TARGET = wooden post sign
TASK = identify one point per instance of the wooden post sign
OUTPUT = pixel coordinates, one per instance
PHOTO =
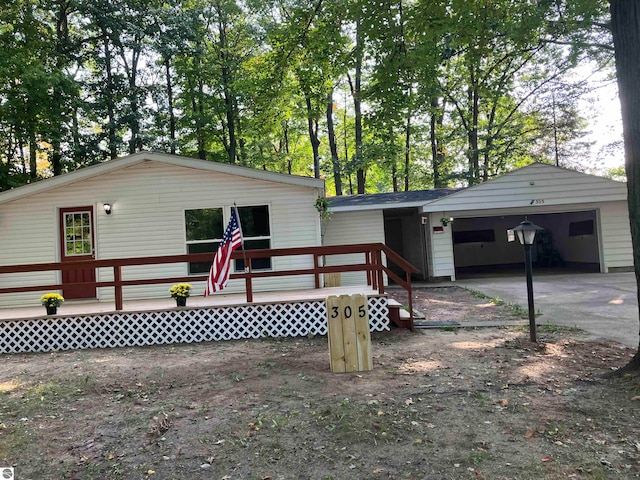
(348, 333)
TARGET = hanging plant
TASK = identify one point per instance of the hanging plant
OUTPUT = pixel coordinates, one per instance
(324, 209)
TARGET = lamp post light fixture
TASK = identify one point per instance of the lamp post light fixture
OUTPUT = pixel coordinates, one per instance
(526, 233)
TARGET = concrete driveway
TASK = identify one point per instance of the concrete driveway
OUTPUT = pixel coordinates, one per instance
(605, 305)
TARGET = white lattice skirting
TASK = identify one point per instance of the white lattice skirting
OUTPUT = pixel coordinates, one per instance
(187, 325)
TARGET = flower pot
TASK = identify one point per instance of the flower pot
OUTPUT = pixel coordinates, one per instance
(181, 301)
(51, 310)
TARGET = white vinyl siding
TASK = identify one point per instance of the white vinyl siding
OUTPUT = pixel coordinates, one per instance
(353, 227)
(615, 234)
(148, 201)
(532, 188)
(441, 245)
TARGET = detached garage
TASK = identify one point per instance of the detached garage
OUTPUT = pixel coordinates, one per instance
(449, 232)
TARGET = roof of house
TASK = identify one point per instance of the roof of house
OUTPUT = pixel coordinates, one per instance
(129, 160)
(375, 201)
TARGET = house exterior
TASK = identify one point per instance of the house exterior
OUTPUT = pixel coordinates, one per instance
(447, 232)
(159, 205)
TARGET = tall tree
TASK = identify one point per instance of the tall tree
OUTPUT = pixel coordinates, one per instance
(625, 25)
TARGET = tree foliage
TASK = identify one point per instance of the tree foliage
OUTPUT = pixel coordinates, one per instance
(375, 96)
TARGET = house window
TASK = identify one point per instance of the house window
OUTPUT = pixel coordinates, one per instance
(577, 229)
(474, 236)
(204, 228)
(256, 232)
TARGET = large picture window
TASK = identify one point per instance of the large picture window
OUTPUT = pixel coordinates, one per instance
(256, 231)
(205, 228)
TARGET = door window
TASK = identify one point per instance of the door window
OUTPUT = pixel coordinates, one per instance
(78, 237)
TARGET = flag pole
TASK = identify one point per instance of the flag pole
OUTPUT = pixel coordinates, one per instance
(244, 253)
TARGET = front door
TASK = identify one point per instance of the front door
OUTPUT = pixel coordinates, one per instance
(77, 243)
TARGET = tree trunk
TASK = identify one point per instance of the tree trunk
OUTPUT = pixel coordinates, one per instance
(335, 161)
(231, 125)
(357, 104)
(242, 155)
(437, 150)
(172, 116)
(407, 151)
(202, 152)
(229, 102)
(472, 134)
(625, 23)
(56, 156)
(75, 134)
(313, 136)
(33, 160)
(62, 40)
(346, 144)
(135, 143)
(109, 98)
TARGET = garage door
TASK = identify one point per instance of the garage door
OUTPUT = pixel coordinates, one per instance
(569, 242)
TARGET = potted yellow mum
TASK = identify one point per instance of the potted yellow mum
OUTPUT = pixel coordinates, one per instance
(180, 292)
(51, 302)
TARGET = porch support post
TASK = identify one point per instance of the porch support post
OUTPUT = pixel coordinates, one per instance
(410, 294)
(380, 273)
(249, 290)
(117, 278)
(316, 274)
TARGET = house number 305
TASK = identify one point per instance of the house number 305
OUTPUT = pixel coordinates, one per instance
(348, 312)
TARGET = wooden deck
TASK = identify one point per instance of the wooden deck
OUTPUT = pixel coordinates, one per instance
(89, 307)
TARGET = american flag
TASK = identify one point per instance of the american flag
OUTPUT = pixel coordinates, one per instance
(221, 266)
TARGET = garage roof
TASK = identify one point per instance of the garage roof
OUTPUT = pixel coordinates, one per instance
(377, 201)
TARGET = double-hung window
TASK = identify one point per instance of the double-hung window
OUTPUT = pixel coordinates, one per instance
(205, 228)
(256, 231)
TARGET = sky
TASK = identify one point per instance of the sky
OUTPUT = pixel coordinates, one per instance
(602, 110)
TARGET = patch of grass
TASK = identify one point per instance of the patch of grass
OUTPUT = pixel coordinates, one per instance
(449, 328)
(13, 443)
(551, 328)
(517, 310)
(481, 398)
(352, 421)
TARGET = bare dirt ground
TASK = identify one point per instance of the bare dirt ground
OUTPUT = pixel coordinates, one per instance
(439, 404)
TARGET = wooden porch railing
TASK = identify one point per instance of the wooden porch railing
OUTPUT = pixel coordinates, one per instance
(372, 265)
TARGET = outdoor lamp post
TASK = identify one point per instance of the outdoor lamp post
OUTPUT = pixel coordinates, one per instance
(526, 233)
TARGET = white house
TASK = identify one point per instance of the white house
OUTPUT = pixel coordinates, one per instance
(158, 205)
(445, 232)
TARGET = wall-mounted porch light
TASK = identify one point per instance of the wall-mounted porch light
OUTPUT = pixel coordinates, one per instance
(107, 208)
